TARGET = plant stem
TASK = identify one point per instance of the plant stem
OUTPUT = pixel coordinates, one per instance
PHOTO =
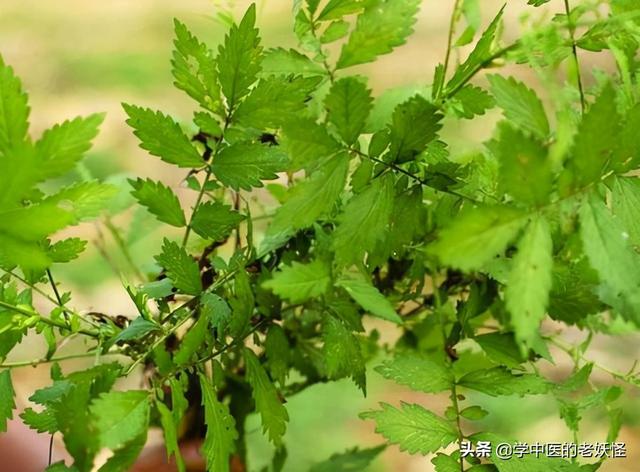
(115, 234)
(57, 294)
(48, 321)
(452, 27)
(13, 365)
(574, 51)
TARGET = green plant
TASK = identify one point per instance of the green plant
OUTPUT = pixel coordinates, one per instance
(464, 255)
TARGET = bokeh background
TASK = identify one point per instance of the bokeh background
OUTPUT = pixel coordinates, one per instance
(81, 56)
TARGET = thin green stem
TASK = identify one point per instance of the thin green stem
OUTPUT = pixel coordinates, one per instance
(84, 355)
(452, 28)
(187, 232)
(122, 245)
(574, 52)
(57, 294)
(50, 322)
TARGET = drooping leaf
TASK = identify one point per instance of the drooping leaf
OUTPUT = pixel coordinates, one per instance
(170, 430)
(159, 200)
(520, 105)
(413, 428)
(239, 58)
(273, 413)
(217, 312)
(215, 221)
(245, 165)
(476, 236)
(417, 371)
(180, 267)
(301, 282)
(221, 436)
(370, 298)
(527, 292)
(278, 352)
(162, 137)
(381, 27)
(348, 105)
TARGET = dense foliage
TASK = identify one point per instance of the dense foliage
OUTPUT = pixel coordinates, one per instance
(371, 216)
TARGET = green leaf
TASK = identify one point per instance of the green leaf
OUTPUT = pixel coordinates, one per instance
(217, 312)
(364, 222)
(300, 282)
(625, 202)
(123, 458)
(273, 413)
(415, 123)
(221, 436)
(14, 109)
(384, 25)
(474, 413)
(525, 171)
(66, 250)
(242, 304)
(62, 146)
(606, 244)
(348, 106)
(308, 143)
(7, 403)
(239, 59)
(162, 137)
(159, 200)
(335, 31)
(418, 372)
(521, 105)
(244, 165)
(537, 3)
(215, 221)
(500, 381)
(527, 292)
(278, 352)
(181, 268)
(471, 101)
(194, 68)
(369, 298)
(412, 428)
(353, 460)
(120, 417)
(61, 467)
(170, 429)
(287, 62)
(192, 341)
(477, 59)
(137, 329)
(336, 9)
(290, 93)
(44, 422)
(596, 138)
(501, 348)
(342, 353)
(445, 463)
(476, 236)
(312, 198)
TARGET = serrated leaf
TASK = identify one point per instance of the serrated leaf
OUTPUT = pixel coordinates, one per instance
(348, 105)
(342, 353)
(500, 381)
(520, 105)
(525, 170)
(336, 9)
(278, 352)
(279, 61)
(217, 311)
(596, 138)
(273, 413)
(527, 292)
(159, 200)
(412, 428)
(415, 123)
(480, 54)
(353, 460)
(43, 422)
(381, 27)
(120, 417)
(62, 146)
(476, 236)
(162, 137)
(418, 372)
(501, 348)
(215, 221)
(471, 101)
(66, 250)
(14, 109)
(300, 282)
(606, 244)
(194, 68)
(124, 457)
(363, 224)
(192, 341)
(239, 58)
(221, 436)
(290, 93)
(7, 403)
(335, 31)
(170, 430)
(181, 268)
(369, 298)
(244, 165)
(312, 198)
(137, 329)
(308, 143)
(445, 463)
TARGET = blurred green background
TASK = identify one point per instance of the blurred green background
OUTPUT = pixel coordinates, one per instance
(81, 56)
